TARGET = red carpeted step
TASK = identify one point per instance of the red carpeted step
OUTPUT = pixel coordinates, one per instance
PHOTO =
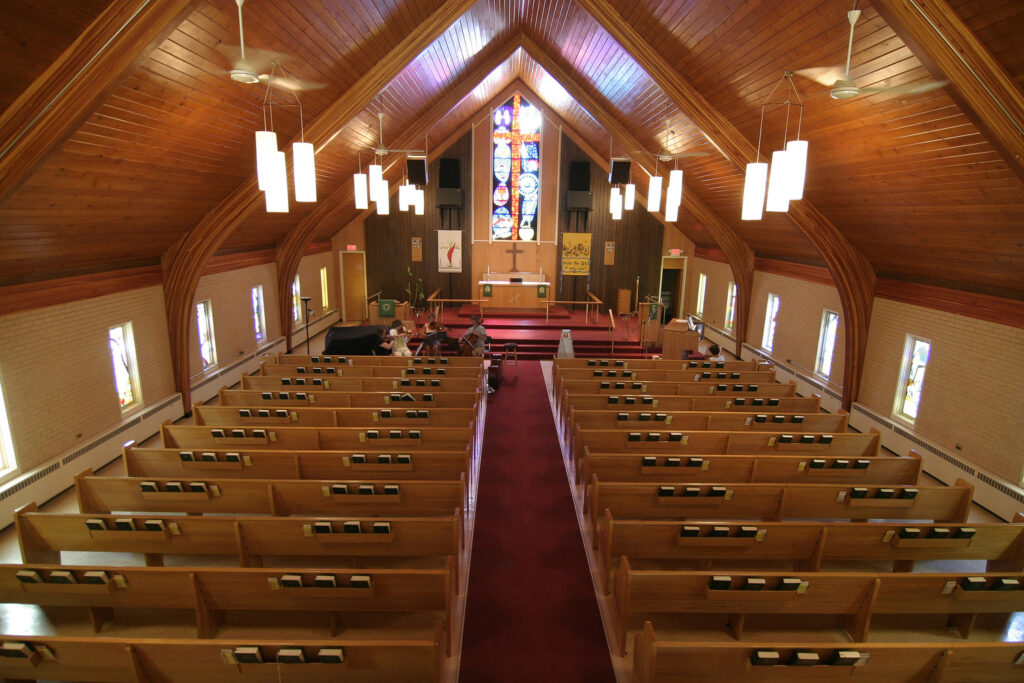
(531, 610)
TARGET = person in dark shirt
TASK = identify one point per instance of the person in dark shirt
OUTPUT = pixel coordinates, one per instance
(385, 345)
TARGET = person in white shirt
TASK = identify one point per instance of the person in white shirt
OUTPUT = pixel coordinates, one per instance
(715, 353)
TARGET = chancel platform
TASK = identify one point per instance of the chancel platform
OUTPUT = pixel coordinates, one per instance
(517, 290)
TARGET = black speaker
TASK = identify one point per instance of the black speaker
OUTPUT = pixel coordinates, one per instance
(449, 198)
(578, 200)
(416, 170)
(619, 175)
(448, 173)
(579, 176)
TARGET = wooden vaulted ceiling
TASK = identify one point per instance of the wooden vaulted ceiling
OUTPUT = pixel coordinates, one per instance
(925, 187)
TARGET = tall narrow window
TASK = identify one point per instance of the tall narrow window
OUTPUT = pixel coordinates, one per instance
(325, 291)
(771, 314)
(259, 320)
(204, 326)
(908, 395)
(702, 284)
(296, 300)
(826, 343)
(126, 371)
(730, 306)
(7, 461)
(515, 176)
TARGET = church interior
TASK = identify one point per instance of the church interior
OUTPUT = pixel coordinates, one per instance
(787, 237)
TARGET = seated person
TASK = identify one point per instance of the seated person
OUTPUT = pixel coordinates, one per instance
(475, 337)
(401, 339)
(385, 344)
(433, 336)
(715, 353)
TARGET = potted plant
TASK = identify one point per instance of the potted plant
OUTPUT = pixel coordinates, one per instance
(414, 289)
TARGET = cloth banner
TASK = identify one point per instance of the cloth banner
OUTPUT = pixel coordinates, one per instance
(385, 308)
(449, 251)
(575, 253)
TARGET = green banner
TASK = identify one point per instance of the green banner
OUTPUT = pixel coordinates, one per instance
(542, 291)
(488, 290)
(386, 308)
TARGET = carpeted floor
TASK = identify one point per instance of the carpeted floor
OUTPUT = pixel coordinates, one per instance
(531, 612)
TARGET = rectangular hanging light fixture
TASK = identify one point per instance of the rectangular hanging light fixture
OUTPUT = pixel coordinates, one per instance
(418, 200)
(674, 195)
(304, 172)
(671, 211)
(361, 191)
(629, 198)
(654, 194)
(753, 191)
(383, 198)
(376, 175)
(266, 146)
(615, 203)
(797, 150)
(779, 182)
(276, 194)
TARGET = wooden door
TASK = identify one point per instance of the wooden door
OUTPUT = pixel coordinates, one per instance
(353, 286)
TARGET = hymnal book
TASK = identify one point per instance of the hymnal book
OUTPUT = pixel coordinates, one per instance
(322, 528)
(797, 419)
(647, 400)
(723, 375)
(645, 417)
(807, 438)
(630, 400)
(759, 402)
(197, 486)
(359, 458)
(325, 581)
(382, 527)
(705, 375)
(720, 583)
(804, 659)
(885, 493)
(217, 433)
(339, 489)
(384, 458)
(283, 395)
(263, 412)
(267, 395)
(648, 461)
(428, 397)
(719, 531)
(908, 493)
(765, 658)
(410, 397)
(318, 371)
(414, 433)
(964, 532)
(739, 401)
(675, 436)
(96, 524)
(753, 387)
(747, 532)
(315, 359)
(352, 527)
(62, 576)
(404, 459)
(717, 491)
(633, 436)
(785, 438)
(844, 658)
(435, 382)
(372, 434)
(778, 418)
(406, 382)
(972, 583)
(858, 492)
(360, 581)
(689, 531)
(760, 418)
(817, 463)
(666, 491)
(591, 363)
(233, 457)
(396, 397)
(28, 576)
(281, 413)
(661, 417)
(95, 576)
(257, 433)
(15, 649)
(909, 532)
(148, 486)
(395, 433)
(753, 583)
(653, 436)
(773, 402)
(124, 524)
(691, 492)
(825, 438)
(672, 462)
(622, 416)
(291, 581)
(788, 583)
(286, 381)
(366, 490)
(390, 489)
(248, 655)
(244, 412)
(301, 370)
(208, 457)
(606, 385)
(1006, 583)
(186, 456)
(613, 400)
(153, 525)
(939, 532)
(859, 463)
(695, 462)
(423, 413)
(840, 463)
(238, 433)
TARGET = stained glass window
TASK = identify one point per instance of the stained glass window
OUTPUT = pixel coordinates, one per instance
(259, 322)
(126, 374)
(516, 171)
(915, 359)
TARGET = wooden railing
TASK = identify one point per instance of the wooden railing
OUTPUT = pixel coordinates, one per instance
(439, 304)
(592, 300)
(611, 330)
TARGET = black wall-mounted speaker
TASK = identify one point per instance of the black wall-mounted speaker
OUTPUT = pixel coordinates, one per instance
(449, 198)
(579, 200)
(448, 173)
(579, 176)
(416, 170)
(619, 174)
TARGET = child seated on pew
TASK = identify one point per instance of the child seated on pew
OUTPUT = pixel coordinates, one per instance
(385, 344)
(714, 353)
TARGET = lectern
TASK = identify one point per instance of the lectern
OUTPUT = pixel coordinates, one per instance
(678, 337)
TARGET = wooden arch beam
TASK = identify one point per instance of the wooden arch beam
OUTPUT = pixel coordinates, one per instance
(61, 97)
(292, 247)
(185, 261)
(737, 252)
(949, 49)
(852, 273)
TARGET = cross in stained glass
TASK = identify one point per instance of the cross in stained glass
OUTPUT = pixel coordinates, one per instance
(516, 180)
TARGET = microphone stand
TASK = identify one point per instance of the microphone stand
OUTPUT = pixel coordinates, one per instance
(305, 304)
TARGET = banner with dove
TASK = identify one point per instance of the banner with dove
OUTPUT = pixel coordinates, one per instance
(449, 251)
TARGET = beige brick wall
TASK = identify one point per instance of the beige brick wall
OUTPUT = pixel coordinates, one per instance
(798, 323)
(719, 276)
(309, 279)
(57, 374)
(971, 402)
(230, 296)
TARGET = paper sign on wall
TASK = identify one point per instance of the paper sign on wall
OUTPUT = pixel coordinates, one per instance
(417, 249)
(449, 251)
(609, 253)
(575, 253)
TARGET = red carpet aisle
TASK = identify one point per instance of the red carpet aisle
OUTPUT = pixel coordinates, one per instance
(531, 613)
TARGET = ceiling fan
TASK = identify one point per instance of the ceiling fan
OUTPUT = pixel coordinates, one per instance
(258, 66)
(842, 86)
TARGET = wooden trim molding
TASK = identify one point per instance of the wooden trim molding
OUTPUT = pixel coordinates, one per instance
(221, 263)
(969, 304)
(799, 271)
(32, 295)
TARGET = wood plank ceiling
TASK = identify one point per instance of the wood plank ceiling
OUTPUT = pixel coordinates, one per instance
(912, 182)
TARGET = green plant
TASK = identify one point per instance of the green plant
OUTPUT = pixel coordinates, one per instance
(414, 288)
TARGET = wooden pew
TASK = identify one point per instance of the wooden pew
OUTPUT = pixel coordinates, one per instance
(775, 502)
(657, 661)
(338, 399)
(165, 659)
(809, 546)
(783, 469)
(358, 384)
(270, 370)
(213, 495)
(43, 536)
(333, 417)
(444, 361)
(855, 597)
(659, 441)
(664, 375)
(167, 463)
(657, 364)
(210, 592)
(315, 438)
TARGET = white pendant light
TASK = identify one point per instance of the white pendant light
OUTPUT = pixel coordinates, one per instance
(361, 191)
(674, 195)
(304, 171)
(376, 173)
(753, 191)
(778, 182)
(404, 201)
(418, 201)
(266, 146)
(654, 194)
(276, 194)
(615, 203)
(383, 198)
(797, 150)
(629, 198)
(671, 211)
